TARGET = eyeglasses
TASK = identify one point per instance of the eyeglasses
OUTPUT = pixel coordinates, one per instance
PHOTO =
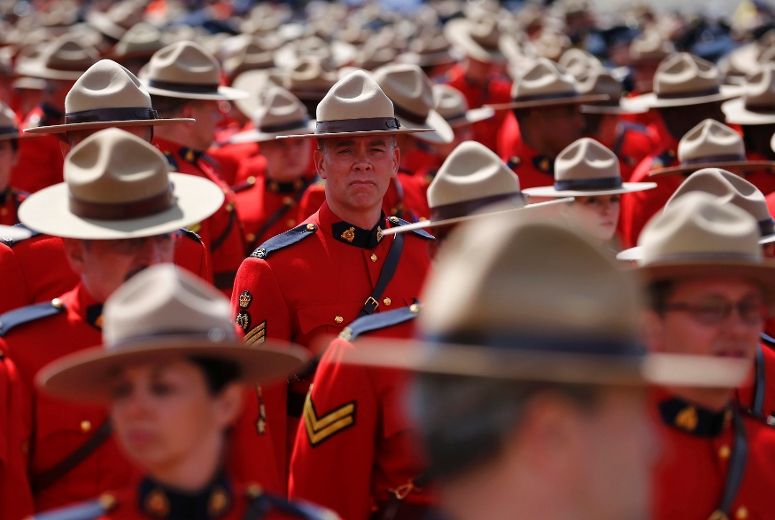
(752, 312)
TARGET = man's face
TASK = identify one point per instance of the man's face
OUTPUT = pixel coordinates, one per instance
(357, 169)
(208, 116)
(104, 265)
(287, 159)
(697, 319)
(8, 158)
(558, 126)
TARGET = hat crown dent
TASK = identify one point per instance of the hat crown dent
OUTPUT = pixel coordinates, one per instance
(513, 276)
(141, 37)
(710, 139)
(650, 46)
(68, 54)
(759, 88)
(544, 78)
(597, 80)
(700, 227)
(471, 172)
(449, 101)
(684, 73)
(586, 158)
(355, 96)
(278, 106)
(728, 187)
(165, 299)
(184, 62)
(114, 166)
(106, 84)
(407, 87)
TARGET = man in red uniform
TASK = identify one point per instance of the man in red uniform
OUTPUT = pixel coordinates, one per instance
(687, 90)
(60, 64)
(710, 291)
(546, 107)
(10, 196)
(335, 266)
(183, 81)
(118, 212)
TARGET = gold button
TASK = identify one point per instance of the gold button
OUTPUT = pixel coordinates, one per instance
(287, 201)
(387, 301)
(741, 513)
(310, 227)
(338, 319)
(251, 180)
(290, 222)
(374, 257)
(85, 426)
(230, 207)
(57, 303)
(724, 452)
(251, 237)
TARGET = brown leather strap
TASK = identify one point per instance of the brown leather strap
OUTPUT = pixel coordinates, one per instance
(122, 210)
(368, 124)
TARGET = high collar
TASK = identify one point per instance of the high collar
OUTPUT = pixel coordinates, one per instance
(165, 503)
(526, 153)
(692, 418)
(286, 187)
(351, 234)
(85, 306)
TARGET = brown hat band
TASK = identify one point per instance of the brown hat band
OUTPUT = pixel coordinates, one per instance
(455, 117)
(721, 158)
(284, 127)
(8, 130)
(695, 93)
(122, 210)
(189, 88)
(766, 108)
(766, 226)
(605, 183)
(542, 97)
(412, 117)
(368, 124)
(214, 335)
(467, 207)
(111, 114)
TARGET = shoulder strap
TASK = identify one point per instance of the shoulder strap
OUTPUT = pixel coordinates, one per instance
(378, 321)
(47, 478)
(768, 340)
(90, 510)
(735, 470)
(11, 243)
(16, 317)
(757, 406)
(190, 235)
(621, 131)
(284, 240)
(279, 213)
(396, 221)
(385, 275)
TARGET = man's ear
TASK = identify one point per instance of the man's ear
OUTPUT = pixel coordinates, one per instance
(75, 252)
(229, 405)
(318, 156)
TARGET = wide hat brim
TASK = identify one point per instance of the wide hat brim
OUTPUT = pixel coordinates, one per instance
(88, 375)
(497, 209)
(626, 187)
(223, 93)
(732, 166)
(441, 132)
(47, 211)
(472, 116)
(556, 367)
(105, 25)
(548, 102)
(626, 106)
(736, 113)
(39, 70)
(91, 125)
(358, 133)
(256, 136)
(13, 233)
(653, 101)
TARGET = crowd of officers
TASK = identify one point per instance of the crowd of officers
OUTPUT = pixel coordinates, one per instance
(463, 263)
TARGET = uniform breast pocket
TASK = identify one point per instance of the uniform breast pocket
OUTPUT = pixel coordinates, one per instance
(61, 428)
(328, 318)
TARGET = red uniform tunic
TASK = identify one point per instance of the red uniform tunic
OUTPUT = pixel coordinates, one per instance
(10, 199)
(697, 446)
(757, 394)
(267, 208)
(42, 271)
(631, 145)
(355, 449)
(532, 168)
(15, 496)
(313, 287)
(221, 232)
(40, 158)
(496, 90)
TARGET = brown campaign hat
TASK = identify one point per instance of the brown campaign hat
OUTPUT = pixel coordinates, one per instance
(429, 50)
(142, 40)
(684, 79)
(186, 70)
(478, 38)
(453, 107)
(586, 168)
(597, 80)
(119, 186)
(356, 105)
(546, 84)
(757, 104)
(411, 92)
(711, 144)
(279, 113)
(63, 59)
(471, 183)
(246, 53)
(107, 95)
(117, 20)
(526, 299)
(649, 47)
(162, 314)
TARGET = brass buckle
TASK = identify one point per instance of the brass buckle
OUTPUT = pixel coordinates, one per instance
(403, 490)
(370, 305)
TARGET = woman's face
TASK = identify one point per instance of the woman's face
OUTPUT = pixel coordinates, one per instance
(600, 213)
(163, 414)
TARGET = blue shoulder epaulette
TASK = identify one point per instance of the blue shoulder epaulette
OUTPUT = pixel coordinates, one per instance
(768, 340)
(90, 510)
(171, 160)
(264, 503)
(190, 234)
(11, 243)
(379, 320)
(396, 221)
(22, 315)
(664, 159)
(284, 239)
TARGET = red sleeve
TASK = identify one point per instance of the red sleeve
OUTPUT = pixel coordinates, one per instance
(12, 287)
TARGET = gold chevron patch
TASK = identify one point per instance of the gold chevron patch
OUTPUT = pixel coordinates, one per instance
(256, 335)
(322, 428)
